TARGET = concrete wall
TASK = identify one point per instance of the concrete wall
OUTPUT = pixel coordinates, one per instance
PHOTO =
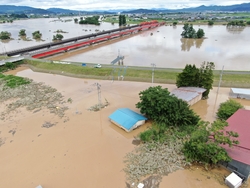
(236, 166)
(195, 100)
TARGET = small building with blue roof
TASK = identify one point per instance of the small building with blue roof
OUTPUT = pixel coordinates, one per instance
(127, 119)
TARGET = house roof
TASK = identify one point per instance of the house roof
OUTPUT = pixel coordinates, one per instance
(126, 118)
(240, 122)
(187, 93)
(241, 91)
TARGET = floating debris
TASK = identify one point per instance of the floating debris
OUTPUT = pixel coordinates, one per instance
(33, 96)
(154, 159)
(48, 124)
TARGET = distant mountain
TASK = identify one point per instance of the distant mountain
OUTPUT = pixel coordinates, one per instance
(239, 7)
(140, 11)
(8, 9)
(64, 11)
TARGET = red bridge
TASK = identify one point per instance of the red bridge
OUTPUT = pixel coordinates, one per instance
(45, 50)
(141, 27)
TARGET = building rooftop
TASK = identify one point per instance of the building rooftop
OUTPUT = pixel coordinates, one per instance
(240, 122)
(241, 91)
(187, 93)
(126, 118)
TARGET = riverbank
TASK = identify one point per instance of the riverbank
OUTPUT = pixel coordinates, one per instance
(140, 74)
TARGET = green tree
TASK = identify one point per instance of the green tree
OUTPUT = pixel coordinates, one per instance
(90, 20)
(228, 108)
(37, 35)
(5, 35)
(248, 22)
(76, 20)
(200, 33)
(164, 108)
(236, 23)
(204, 144)
(174, 23)
(194, 77)
(189, 32)
(206, 77)
(210, 22)
(57, 37)
(122, 20)
(22, 32)
(190, 76)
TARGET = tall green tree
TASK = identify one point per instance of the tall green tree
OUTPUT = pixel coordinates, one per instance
(164, 108)
(190, 76)
(194, 77)
(122, 20)
(206, 77)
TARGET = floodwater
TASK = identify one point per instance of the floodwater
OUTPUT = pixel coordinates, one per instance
(88, 150)
(163, 46)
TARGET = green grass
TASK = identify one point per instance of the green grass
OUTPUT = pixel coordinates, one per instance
(141, 74)
(11, 81)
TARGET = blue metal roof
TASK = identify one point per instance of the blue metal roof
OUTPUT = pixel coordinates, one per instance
(126, 117)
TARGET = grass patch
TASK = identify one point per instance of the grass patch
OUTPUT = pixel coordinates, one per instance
(141, 74)
(11, 81)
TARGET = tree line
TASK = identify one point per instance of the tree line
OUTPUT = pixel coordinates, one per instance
(88, 20)
(37, 35)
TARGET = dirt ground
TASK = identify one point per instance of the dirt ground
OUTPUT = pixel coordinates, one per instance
(87, 150)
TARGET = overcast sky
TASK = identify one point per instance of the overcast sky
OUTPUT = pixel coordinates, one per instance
(117, 4)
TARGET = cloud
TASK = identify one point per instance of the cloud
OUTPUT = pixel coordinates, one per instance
(114, 4)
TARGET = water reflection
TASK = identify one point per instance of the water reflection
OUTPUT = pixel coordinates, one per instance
(235, 29)
(186, 44)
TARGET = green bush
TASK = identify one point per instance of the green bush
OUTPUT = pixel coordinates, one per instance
(228, 108)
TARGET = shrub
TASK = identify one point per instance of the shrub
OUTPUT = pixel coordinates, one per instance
(228, 108)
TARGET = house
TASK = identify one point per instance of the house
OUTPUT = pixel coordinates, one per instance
(240, 122)
(127, 119)
(189, 94)
(239, 93)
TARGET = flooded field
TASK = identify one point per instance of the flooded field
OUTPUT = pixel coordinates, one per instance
(87, 150)
(162, 46)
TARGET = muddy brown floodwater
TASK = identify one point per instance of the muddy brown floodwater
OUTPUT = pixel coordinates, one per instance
(88, 150)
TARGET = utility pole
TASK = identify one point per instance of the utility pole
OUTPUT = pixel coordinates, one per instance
(153, 70)
(221, 73)
(99, 95)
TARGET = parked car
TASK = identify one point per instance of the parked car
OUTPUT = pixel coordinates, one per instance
(98, 66)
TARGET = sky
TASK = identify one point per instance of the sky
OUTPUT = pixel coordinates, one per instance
(118, 4)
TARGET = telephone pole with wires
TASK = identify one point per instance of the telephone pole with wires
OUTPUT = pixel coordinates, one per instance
(99, 95)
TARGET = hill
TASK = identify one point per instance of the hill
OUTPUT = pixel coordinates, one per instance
(8, 9)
